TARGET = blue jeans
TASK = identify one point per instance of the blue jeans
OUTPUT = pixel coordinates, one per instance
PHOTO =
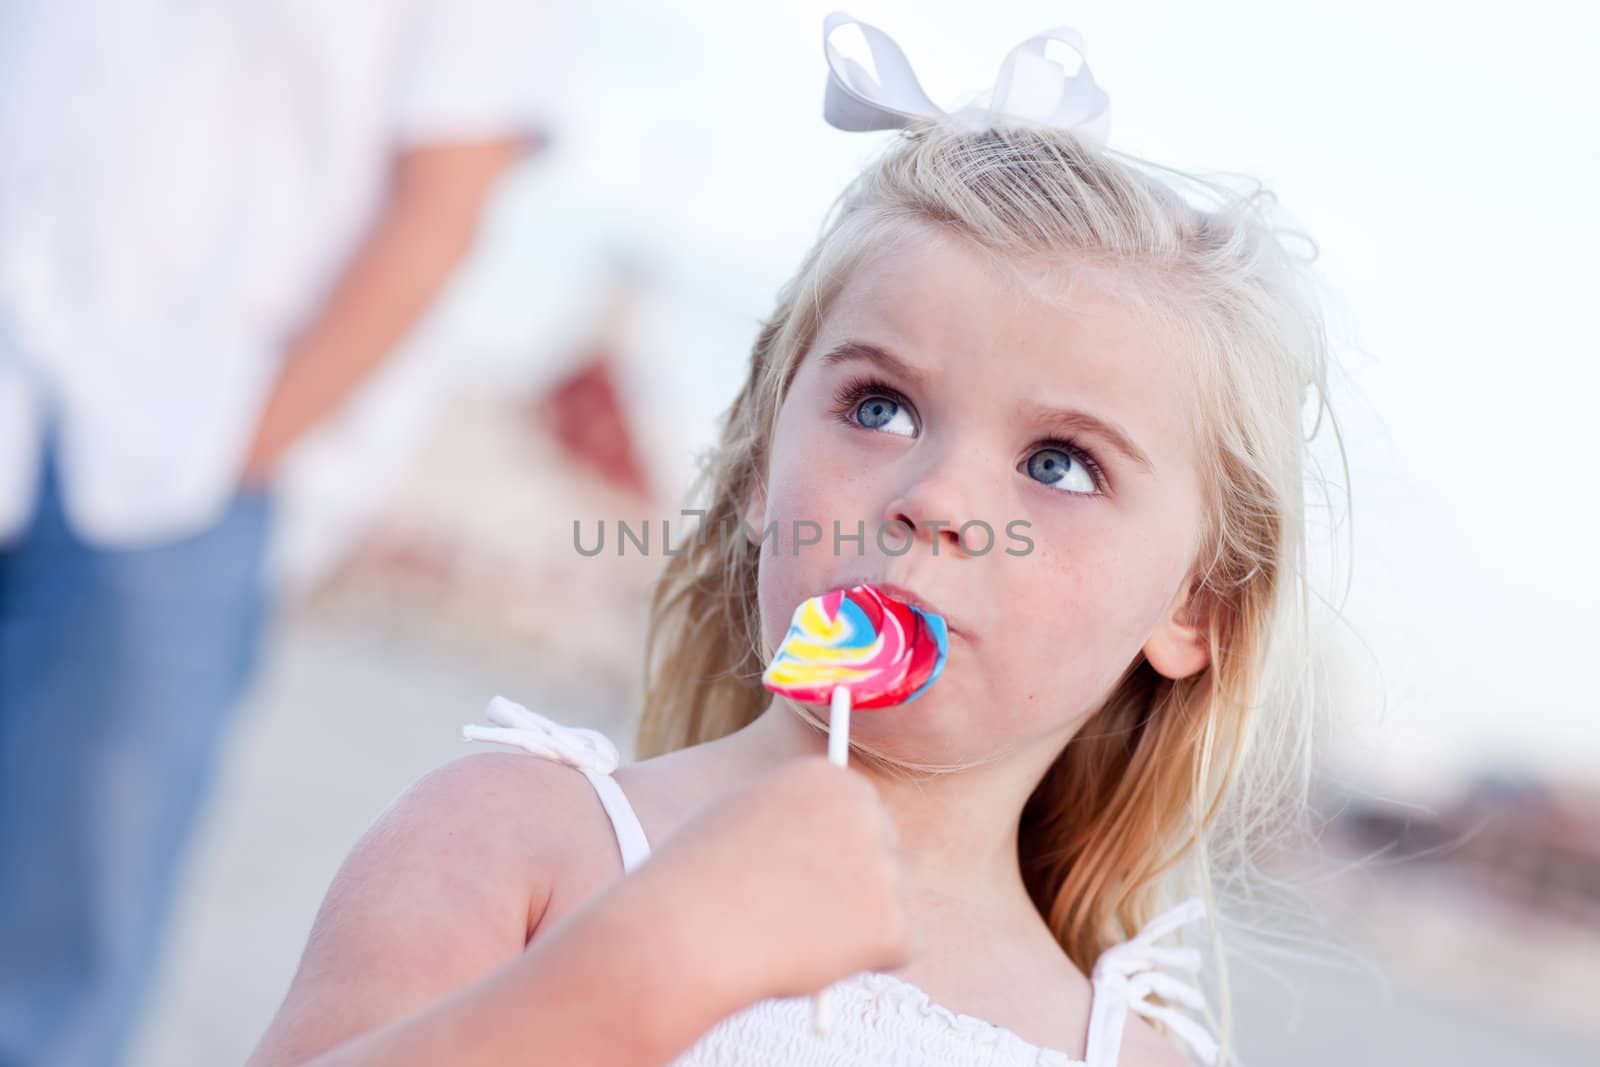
(118, 672)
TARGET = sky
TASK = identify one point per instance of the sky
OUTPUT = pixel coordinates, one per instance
(1445, 165)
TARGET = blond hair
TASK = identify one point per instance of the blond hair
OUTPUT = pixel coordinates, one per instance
(1167, 788)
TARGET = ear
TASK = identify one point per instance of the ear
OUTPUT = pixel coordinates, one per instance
(1178, 646)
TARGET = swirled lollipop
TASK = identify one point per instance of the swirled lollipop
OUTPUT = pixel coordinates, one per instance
(856, 646)
(878, 649)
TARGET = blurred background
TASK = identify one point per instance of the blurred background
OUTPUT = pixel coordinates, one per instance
(623, 188)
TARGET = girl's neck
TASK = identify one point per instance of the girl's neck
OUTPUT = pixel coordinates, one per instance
(957, 831)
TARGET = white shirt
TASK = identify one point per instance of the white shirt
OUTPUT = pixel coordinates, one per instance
(180, 183)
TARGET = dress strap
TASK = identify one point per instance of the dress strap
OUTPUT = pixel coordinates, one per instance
(1127, 972)
(590, 751)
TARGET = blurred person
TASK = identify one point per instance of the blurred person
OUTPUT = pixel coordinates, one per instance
(216, 220)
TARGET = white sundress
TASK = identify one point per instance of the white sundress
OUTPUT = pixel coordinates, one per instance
(879, 1020)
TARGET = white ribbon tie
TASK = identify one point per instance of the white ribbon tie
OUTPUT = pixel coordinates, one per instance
(587, 750)
(1130, 968)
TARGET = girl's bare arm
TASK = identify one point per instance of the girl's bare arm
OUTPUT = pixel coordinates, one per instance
(419, 954)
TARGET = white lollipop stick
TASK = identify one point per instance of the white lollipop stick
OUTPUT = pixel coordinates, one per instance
(839, 727)
(838, 754)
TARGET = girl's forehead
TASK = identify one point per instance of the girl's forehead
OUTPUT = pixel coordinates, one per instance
(980, 326)
(925, 274)
(942, 296)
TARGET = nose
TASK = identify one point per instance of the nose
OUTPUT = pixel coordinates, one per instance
(930, 511)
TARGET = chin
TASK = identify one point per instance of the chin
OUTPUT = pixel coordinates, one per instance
(928, 717)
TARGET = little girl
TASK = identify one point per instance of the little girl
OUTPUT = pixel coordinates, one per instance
(1019, 381)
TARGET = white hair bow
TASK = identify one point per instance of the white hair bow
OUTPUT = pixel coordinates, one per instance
(1032, 87)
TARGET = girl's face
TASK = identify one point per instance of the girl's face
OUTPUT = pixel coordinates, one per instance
(925, 405)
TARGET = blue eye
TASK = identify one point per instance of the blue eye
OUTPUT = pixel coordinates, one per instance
(1066, 468)
(874, 406)
(881, 413)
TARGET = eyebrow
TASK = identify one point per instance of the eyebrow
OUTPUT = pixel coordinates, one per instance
(1063, 421)
(1067, 421)
(845, 351)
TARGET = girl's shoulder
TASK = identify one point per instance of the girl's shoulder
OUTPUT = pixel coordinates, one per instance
(516, 820)
(539, 817)
(576, 790)
(1143, 1046)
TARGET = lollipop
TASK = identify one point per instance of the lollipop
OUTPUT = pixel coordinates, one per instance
(861, 647)
(878, 649)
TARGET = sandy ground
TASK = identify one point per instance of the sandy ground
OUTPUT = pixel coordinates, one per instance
(342, 720)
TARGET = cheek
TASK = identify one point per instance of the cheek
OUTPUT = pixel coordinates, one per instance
(810, 472)
(1082, 604)
(810, 481)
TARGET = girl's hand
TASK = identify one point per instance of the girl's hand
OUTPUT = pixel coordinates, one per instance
(790, 883)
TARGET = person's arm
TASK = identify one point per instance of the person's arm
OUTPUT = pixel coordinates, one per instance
(425, 228)
(419, 954)
(608, 986)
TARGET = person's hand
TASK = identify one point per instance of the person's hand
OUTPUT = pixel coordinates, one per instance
(276, 430)
(789, 883)
(256, 474)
